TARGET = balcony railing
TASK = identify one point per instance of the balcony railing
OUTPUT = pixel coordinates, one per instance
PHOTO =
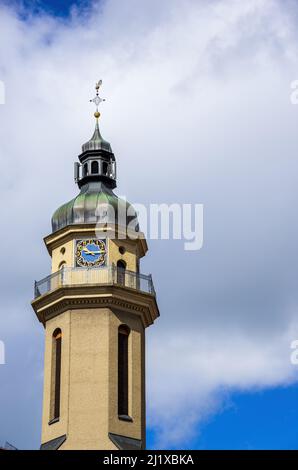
(96, 276)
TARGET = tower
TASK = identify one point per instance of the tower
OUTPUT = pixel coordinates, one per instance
(95, 307)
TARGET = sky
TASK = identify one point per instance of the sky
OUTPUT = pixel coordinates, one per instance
(197, 110)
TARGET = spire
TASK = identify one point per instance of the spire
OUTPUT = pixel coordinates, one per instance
(97, 161)
(97, 142)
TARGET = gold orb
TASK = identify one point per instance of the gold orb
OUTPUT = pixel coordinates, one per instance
(96, 114)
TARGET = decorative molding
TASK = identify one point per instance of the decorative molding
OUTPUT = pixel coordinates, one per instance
(125, 418)
(76, 297)
(55, 239)
(54, 420)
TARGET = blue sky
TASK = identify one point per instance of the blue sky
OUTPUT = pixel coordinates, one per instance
(221, 80)
(256, 420)
(55, 7)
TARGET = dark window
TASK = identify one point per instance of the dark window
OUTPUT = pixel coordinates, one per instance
(57, 344)
(85, 169)
(104, 168)
(123, 333)
(94, 167)
(138, 278)
(121, 265)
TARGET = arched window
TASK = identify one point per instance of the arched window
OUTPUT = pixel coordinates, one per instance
(104, 168)
(94, 167)
(123, 334)
(56, 374)
(85, 169)
(121, 266)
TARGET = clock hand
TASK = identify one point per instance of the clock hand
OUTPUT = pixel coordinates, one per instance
(93, 253)
(88, 252)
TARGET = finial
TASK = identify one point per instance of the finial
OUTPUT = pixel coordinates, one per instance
(97, 100)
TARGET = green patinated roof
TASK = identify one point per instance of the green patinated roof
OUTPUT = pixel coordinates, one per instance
(94, 204)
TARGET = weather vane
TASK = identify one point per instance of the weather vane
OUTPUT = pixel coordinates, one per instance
(97, 100)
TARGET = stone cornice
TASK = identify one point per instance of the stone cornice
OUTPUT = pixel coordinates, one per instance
(94, 296)
(67, 233)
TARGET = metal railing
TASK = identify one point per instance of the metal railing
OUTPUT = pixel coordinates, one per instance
(109, 275)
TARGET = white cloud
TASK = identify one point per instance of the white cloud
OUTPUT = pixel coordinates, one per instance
(191, 375)
(198, 110)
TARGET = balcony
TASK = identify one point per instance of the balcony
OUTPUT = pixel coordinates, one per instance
(108, 276)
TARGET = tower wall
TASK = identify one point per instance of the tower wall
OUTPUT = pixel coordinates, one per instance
(89, 379)
(130, 256)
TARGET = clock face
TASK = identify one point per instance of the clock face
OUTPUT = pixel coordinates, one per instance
(90, 253)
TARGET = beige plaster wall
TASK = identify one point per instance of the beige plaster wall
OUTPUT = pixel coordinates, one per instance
(89, 378)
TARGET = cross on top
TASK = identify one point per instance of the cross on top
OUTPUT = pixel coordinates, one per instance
(97, 100)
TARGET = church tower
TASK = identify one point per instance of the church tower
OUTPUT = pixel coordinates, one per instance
(95, 307)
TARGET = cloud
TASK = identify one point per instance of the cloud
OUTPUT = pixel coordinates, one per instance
(198, 370)
(198, 110)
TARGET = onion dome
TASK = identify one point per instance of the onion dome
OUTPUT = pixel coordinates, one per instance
(96, 203)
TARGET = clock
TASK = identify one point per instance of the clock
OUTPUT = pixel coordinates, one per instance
(90, 253)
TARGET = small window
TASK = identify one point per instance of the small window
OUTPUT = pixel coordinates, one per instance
(121, 266)
(122, 250)
(123, 405)
(85, 169)
(94, 167)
